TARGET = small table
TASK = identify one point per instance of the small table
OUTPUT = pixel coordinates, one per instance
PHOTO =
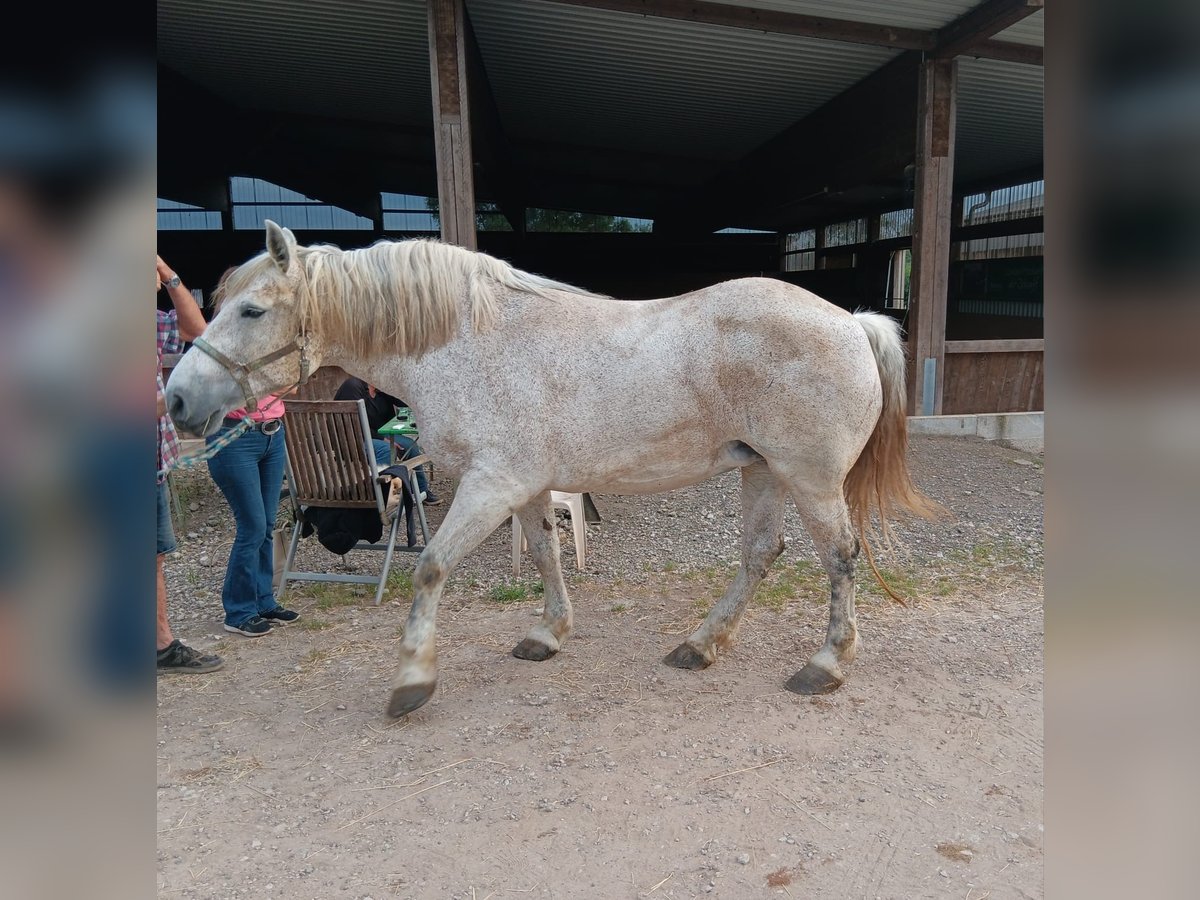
(402, 425)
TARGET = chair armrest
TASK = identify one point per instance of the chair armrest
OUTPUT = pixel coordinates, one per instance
(412, 462)
(409, 464)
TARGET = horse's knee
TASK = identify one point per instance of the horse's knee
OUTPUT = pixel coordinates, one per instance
(430, 573)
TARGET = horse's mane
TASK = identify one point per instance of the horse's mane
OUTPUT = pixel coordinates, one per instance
(401, 297)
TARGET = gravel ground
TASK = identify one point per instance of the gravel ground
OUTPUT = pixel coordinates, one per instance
(602, 772)
(994, 494)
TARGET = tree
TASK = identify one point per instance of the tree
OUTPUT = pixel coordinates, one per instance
(561, 220)
(488, 217)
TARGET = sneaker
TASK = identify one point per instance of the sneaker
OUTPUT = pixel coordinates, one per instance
(431, 499)
(177, 657)
(255, 626)
(279, 616)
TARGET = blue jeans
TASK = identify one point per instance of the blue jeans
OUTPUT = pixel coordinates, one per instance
(249, 473)
(408, 448)
(166, 532)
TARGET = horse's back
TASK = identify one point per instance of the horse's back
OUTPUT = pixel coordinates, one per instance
(753, 359)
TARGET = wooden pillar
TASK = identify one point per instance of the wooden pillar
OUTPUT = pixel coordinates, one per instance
(932, 212)
(452, 121)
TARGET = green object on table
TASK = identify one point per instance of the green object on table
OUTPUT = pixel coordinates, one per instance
(402, 424)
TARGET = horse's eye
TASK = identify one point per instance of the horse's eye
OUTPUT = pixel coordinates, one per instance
(252, 312)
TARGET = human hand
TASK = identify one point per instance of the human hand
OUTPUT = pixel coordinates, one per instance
(162, 270)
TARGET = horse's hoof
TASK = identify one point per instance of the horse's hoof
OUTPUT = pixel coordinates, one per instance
(406, 699)
(533, 650)
(685, 656)
(813, 680)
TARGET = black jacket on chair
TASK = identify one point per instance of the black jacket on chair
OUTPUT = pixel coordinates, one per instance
(339, 530)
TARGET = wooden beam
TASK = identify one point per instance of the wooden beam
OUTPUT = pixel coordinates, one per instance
(1007, 51)
(981, 23)
(776, 22)
(1004, 228)
(932, 211)
(769, 20)
(452, 121)
(1013, 345)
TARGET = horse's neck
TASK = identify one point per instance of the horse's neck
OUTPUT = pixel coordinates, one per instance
(410, 377)
(393, 375)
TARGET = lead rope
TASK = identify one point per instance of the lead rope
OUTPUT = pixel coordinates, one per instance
(194, 459)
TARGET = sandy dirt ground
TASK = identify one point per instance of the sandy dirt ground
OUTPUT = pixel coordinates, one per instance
(604, 773)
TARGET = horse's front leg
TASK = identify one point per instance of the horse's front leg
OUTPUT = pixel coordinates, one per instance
(480, 504)
(544, 640)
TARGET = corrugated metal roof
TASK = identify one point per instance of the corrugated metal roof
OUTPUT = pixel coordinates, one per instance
(566, 75)
(1000, 110)
(365, 60)
(1031, 30)
(925, 14)
(600, 78)
(907, 14)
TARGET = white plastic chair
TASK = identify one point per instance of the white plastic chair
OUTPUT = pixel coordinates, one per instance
(570, 502)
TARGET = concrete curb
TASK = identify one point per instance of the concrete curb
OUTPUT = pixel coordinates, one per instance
(1021, 430)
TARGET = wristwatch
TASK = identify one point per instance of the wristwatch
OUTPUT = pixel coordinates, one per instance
(174, 282)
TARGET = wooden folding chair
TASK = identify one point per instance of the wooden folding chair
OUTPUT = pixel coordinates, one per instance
(331, 464)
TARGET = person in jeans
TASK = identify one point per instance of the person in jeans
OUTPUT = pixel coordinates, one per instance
(183, 322)
(249, 473)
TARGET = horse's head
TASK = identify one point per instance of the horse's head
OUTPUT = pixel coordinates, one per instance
(254, 346)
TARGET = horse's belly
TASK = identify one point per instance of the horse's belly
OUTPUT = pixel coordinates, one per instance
(655, 485)
(657, 474)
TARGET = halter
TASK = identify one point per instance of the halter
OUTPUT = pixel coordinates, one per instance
(240, 372)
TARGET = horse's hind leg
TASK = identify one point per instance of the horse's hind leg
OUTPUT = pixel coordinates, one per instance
(763, 499)
(828, 521)
(544, 640)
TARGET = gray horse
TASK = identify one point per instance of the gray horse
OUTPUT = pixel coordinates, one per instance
(524, 385)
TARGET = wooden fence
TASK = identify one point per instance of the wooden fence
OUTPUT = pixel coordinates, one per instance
(993, 377)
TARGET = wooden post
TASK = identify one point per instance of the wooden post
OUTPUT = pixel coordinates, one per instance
(932, 211)
(452, 122)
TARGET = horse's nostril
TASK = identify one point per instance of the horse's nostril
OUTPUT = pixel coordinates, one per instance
(176, 407)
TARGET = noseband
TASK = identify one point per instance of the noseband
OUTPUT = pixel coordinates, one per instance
(241, 371)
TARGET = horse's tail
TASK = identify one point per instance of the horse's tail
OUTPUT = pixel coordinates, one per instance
(880, 482)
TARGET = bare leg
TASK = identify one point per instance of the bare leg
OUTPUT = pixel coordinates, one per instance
(480, 504)
(763, 497)
(164, 629)
(828, 521)
(544, 640)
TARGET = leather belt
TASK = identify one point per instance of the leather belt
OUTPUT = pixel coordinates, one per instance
(268, 426)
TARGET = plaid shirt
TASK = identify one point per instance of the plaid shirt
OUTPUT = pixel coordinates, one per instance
(169, 341)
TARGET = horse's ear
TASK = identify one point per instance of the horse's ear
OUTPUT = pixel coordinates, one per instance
(281, 244)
